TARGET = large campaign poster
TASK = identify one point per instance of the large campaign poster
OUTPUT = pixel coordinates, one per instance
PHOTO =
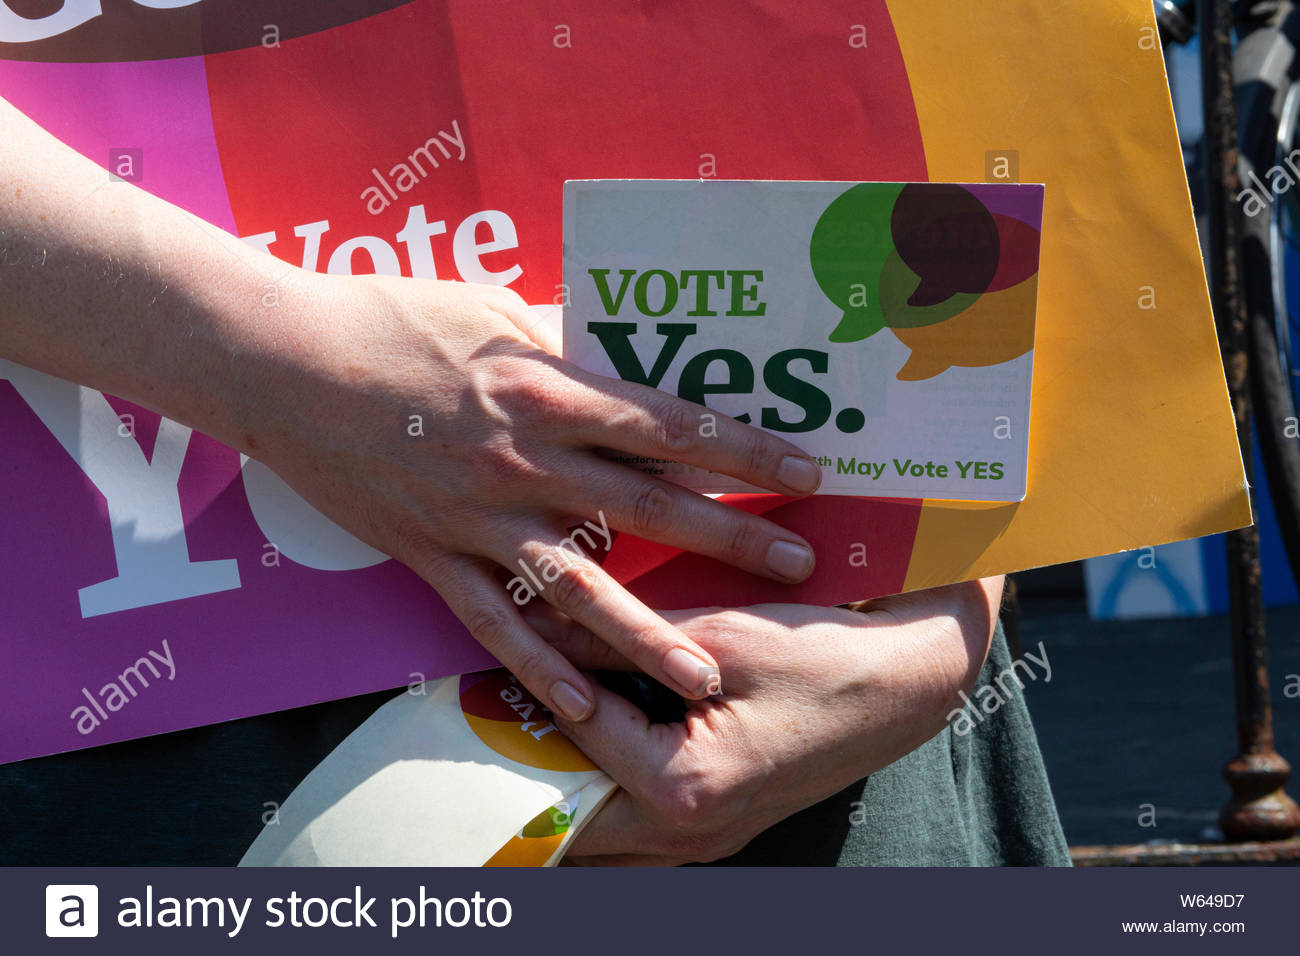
(152, 580)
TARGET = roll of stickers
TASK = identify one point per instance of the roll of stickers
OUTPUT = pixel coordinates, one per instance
(462, 771)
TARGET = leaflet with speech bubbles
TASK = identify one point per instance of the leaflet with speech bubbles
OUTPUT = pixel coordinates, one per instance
(885, 328)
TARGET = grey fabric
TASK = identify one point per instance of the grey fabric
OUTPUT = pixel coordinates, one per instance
(975, 799)
(978, 799)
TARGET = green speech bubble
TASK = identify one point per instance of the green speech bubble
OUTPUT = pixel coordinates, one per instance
(848, 249)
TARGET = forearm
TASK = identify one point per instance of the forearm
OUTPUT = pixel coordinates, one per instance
(103, 284)
(954, 625)
(906, 669)
(926, 649)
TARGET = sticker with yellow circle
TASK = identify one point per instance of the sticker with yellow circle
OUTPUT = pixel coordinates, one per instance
(513, 722)
(540, 837)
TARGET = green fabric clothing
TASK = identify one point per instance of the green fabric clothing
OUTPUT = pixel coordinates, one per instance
(978, 799)
(199, 797)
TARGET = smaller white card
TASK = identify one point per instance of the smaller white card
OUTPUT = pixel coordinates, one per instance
(885, 328)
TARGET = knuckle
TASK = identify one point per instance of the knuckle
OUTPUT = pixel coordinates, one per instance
(726, 620)
(408, 541)
(574, 587)
(535, 397)
(435, 566)
(704, 805)
(719, 628)
(690, 803)
(531, 666)
(490, 624)
(652, 510)
(501, 463)
(678, 427)
(744, 540)
(754, 453)
(644, 644)
(673, 802)
(704, 824)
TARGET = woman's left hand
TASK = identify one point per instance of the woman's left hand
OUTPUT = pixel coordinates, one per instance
(817, 698)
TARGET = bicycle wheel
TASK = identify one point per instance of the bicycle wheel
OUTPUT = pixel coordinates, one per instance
(1267, 83)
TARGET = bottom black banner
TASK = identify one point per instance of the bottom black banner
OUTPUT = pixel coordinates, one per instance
(569, 910)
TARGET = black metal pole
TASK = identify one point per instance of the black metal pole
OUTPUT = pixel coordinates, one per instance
(1259, 808)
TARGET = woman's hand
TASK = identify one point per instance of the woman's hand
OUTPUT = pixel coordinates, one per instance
(424, 417)
(429, 419)
(816, 699)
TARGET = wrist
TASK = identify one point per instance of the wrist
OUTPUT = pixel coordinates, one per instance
(944, 634)
(242, 332)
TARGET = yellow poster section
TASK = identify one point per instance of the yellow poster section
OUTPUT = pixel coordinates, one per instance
(1132, 440)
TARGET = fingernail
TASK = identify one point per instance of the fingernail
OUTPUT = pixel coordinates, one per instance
(800, 474)
(789, 560)
(570, 702)
(693, 674)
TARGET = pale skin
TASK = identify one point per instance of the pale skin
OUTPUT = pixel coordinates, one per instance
(816, 699)
(105, 285)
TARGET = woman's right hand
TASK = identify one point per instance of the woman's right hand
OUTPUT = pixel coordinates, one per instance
(116, 289)
(433, 421)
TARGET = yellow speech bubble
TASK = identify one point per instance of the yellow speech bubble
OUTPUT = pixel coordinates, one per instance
(998, 327)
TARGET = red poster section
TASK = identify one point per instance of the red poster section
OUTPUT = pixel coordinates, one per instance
(444, 151)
